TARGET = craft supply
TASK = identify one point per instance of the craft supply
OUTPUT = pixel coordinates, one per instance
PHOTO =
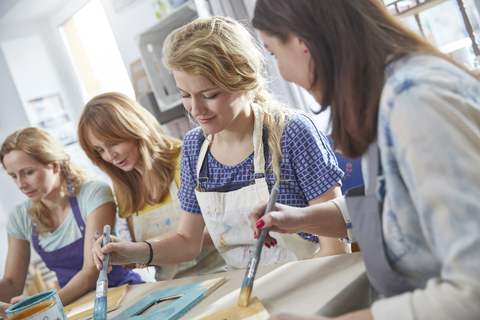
(247, 284)
(254, 311)
(100, 309)
(188, 296)
(41, 311)
(49, 295)
(83, 309)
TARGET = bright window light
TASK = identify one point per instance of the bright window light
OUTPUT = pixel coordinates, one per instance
(94, 54)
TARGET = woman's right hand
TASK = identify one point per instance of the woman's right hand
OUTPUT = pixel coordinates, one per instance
(283, 219)
(121, 252)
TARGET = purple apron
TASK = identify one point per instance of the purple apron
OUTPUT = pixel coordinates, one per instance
(366, 214)
(66, 262)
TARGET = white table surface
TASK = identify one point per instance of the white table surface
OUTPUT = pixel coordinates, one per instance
(324, 286)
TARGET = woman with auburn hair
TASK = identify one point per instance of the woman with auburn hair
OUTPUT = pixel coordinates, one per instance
(247, 143)
(414, 116)
(125, 141)
(63, 211)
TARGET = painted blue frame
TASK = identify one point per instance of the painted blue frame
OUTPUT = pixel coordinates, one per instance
(191, 294)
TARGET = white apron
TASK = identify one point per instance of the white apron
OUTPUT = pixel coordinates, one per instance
(165, 219)
(226, 214)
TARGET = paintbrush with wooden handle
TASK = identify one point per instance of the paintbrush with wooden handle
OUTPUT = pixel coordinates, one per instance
(247, 284)
(100, 305)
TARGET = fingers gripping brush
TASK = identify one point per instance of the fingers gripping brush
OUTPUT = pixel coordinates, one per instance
(100, 308)
(247, 283)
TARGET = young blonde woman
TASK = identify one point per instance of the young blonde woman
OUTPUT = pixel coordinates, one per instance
(414, 116)
(63, 210)
(125, 141)
(246, 144)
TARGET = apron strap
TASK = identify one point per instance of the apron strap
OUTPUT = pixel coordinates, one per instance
(260, 148)
(374, 169)
(77, 214)
(173, 190)
(34, 236)
(258, 155)
(202, 163)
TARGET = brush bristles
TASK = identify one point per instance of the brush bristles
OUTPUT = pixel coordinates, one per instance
(100, 309)
(244, 297)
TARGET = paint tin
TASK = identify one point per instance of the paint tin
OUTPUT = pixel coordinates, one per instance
(39, 299)
(46, 310)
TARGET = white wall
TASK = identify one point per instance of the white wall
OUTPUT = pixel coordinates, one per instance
(12, 117)
(33, 63)
(128, 24)
(31, 67)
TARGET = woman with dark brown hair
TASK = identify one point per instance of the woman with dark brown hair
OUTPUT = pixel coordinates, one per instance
(413, 115)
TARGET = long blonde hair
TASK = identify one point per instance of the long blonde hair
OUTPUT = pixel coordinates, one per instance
(224, 52)
(113, 117)
(46, 149)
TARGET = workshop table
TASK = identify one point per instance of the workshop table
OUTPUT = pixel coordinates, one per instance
(327, 286)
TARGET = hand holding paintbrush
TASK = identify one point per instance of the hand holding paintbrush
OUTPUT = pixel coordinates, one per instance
(100, 309)
(247, 284)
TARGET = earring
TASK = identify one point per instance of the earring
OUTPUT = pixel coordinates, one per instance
(305, 51)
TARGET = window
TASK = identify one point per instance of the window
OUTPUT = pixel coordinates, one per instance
(94, 54)
(441, 22)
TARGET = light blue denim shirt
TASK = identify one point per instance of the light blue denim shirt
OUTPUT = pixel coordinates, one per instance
(429, 139)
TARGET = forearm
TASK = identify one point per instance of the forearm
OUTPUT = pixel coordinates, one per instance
(324, 219)
(331, 247)
(8, 290)
(83, 282)
(365, 314)
(171, 249)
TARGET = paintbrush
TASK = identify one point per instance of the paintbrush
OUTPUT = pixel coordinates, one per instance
(100, 307)
(247, 283)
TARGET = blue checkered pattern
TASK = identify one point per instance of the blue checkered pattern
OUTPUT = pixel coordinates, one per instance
(309, 167)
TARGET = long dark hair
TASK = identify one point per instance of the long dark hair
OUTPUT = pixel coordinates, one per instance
(351, 43)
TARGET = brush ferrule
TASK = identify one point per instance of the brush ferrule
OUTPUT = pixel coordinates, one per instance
(102, 289)
(251, 267)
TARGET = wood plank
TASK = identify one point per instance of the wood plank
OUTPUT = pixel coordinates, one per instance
(83, 309)
(254, 311)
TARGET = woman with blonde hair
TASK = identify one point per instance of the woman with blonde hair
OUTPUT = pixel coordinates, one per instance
(247, 143)
(413, 114)
(125, 141)
(64, 209)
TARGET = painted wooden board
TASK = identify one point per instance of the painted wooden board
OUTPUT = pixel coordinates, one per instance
(189, 295)
(254, 311)
(83, 309)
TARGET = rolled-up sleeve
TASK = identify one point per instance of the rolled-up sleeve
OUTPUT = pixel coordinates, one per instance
(342, 206)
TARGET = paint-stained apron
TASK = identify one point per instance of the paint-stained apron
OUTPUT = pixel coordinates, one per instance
(165, 219)
(366, 213)
(226, 213)
(67, 261)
